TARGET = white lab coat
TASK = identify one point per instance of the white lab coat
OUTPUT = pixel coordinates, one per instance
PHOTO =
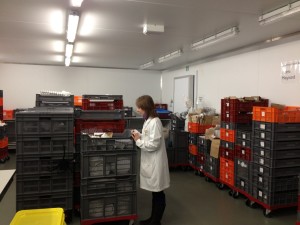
(154, 168)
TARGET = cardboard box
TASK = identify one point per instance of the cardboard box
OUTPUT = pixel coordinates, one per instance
(214, 148)
(207, 120)
(209, 133)
(216, 120)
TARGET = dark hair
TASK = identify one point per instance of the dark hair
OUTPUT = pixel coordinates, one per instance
(146, 103)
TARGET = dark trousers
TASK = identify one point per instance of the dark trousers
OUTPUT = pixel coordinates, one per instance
(159, 198)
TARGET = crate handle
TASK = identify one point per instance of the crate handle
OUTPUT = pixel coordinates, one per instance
(45, 177)
(45, 118)
(101, 100)
(47, 102)
(45, 196)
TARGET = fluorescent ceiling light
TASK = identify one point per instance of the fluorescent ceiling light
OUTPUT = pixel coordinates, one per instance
(170, 56)
(76, 3)
(72, 26)
(279, 13)
(147, 65)
(221, 36)
(153, 28)
(69, 50)
(67, 61)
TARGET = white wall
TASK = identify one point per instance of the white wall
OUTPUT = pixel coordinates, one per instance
(249, 74)
(20, 83)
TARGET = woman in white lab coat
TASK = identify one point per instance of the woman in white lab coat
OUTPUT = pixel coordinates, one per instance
(154, 169)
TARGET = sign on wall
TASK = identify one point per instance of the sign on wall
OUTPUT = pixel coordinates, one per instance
(290, 71)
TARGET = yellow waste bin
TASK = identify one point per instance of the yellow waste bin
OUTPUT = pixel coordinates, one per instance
(49, 216)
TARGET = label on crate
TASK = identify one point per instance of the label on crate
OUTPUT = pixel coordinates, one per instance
(227, 104)
(243, 152)
(227, 134)
(261, 161)
(244, 136)
(260, 179)
(201, 167)
(260, 194)
(226, 153)
(262, 144)
(262, 126)
(263, 114)
(227, 145)
(262, 152)
(244, 143)
(262, 135)
(261, 169)
(227, 126)
(242, 183)
(226, 176)
(226, 164)
(211, 168)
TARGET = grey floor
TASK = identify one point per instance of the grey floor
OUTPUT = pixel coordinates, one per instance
(190, 201)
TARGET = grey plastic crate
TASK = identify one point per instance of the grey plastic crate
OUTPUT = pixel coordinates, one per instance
(276, 127)
(108, 206)
(192, 159)
(204, 144)
(275, 172)
(276, 145)
(177, 123)
(45, 145)
(227, 144)
(275, 198)
(116, 114)
(51, 200)
(243, 184)
(244, 142)
(45, 121)
(44, 165)
(178, 139)
(95, 165)
(54, 101)
(38, 184)
(193, 138)
(235, 126)
(3, 131)
(212, 166)
(282, 154)
(244, 134)
(242, 168)
(11, 130)
(118, 142)
(278, 136)
(275, 184)
(98, 186)
(171, 156)
(278, 163)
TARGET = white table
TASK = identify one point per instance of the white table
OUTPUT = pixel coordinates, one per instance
(6, 176)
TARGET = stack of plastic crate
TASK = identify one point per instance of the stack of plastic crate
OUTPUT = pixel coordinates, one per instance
(298, 209)
(196, 158)
(54, 100)
(9, 119)
(178, 143)
(235, 113)
(276, 156)
(211, 168)
(4, 156)
(243, 151)
(108, 178)
(44, 158)
(98, 112)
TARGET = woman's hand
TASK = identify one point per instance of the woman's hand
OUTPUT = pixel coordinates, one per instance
(135, 135)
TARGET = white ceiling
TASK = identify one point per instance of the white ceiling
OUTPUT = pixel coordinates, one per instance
(110, 31)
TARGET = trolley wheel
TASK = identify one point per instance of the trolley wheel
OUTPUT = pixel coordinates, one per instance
(235, 194)
(231, 192)
(2, 160)
(201, 174)
(7, 158)
(207, 179)
(251, 204)
(196, 172)
(220, 186)
(267, 213)
(184, 168)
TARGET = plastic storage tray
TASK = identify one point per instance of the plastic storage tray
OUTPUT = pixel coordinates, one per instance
(108, 206)
(241, 105)
(54, 101)
(44, 165)
(177, 123)
(275, 198)
(181, 156)
(116, 126)
(3, 131)
(36, 184)
(212, 166)
(226, 153)
(277, 136)
(108, 164)
(50, 216)
(242, 169)
(244, 134)
(227, 135)
(98, 186)
(243, 184)
(102, 102)
(171, 156)
(278, 163)
(276, 145)
(227, 144)
(275, 172)
(275, 184)
(282, 154)
(116, 114)
(244, 142)
(243, 152)
(45, 121)
(204, 144)
(193, 138)
(276, 127)
(50, 200)
(119, 141)
(45, 145)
